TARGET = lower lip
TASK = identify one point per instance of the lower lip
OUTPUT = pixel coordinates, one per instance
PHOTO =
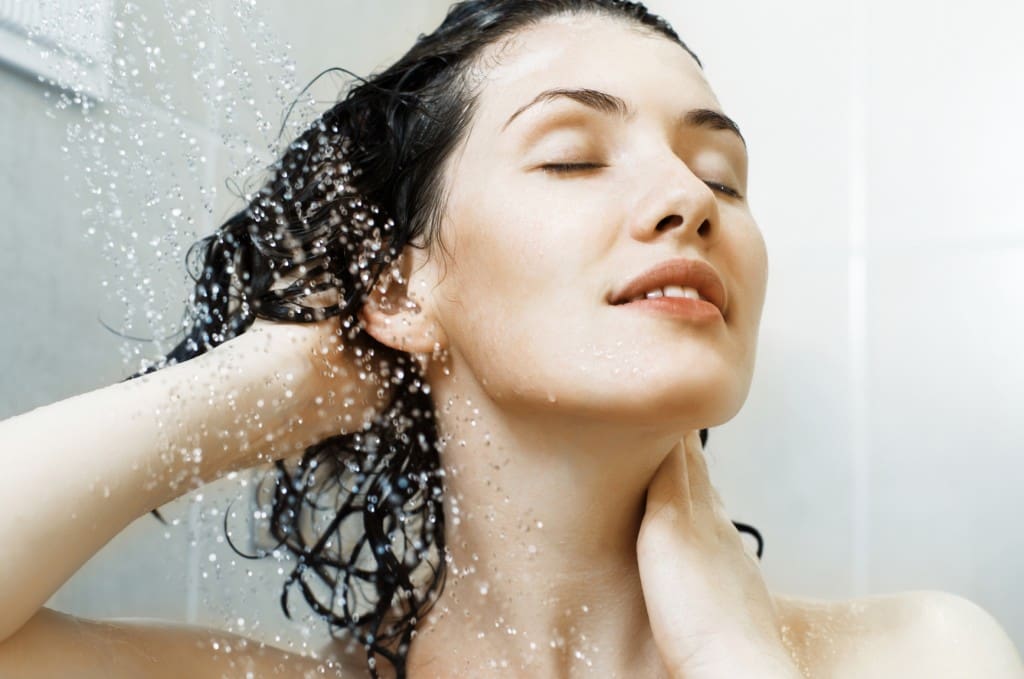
(679, 307)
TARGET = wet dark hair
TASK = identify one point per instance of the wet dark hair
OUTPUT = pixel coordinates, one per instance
(364, 181)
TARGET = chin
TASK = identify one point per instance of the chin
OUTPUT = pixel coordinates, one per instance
(693, 391)
(689, 409)
(712, 390)
(696, 402)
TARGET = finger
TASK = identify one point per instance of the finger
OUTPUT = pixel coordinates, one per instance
(700, 488)
(670, 486)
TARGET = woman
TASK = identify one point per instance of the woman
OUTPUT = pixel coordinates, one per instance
(501, 286)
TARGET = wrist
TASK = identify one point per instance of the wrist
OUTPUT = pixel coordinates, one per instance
(740, 661)
(228, 407)
(763, 666)
(768, 666)
(279, 388)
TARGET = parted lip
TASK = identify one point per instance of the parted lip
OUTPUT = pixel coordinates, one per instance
(690, 273)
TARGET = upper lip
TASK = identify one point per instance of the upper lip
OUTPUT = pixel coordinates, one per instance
(689, 273)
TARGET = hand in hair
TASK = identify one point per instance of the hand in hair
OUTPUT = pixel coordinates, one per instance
(313, 387)
(89, 465)
(708, 605)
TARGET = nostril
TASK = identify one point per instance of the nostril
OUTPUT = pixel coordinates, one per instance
(703, 229)
(668, 222)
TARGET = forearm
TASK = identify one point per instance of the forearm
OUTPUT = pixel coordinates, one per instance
(80, 470)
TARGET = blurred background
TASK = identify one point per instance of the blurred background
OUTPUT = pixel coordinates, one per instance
(880, 449)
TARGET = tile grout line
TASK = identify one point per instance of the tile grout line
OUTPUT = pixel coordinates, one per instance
(857, 294)
(195, 520)
(192, 580)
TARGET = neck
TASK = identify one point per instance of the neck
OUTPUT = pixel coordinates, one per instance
(542, 517)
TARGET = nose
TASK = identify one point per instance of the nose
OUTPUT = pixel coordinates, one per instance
(675, 201)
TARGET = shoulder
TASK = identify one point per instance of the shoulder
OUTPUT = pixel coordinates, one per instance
(55, 644)
(963, 638)
(924, 633)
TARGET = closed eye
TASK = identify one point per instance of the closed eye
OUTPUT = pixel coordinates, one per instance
(727, 190)
(566, 168)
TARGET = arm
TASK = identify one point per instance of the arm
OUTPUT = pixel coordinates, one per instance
(80, 470)
(121, 649)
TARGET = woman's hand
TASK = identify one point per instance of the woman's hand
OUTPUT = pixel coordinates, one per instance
(709, 608)
(300, 385)
(85, 467)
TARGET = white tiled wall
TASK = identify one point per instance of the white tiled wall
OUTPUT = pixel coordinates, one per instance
(882, 447)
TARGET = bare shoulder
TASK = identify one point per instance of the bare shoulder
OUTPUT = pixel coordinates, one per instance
(908, 635)
(54, 644)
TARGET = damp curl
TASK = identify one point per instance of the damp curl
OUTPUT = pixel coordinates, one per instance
(364, 181)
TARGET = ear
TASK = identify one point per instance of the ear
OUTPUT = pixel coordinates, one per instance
(399, 310)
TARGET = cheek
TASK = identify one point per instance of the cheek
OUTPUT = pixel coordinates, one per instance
(517, 244)
(501, 265)
(748, 262)
(513, 297)
(760, 266)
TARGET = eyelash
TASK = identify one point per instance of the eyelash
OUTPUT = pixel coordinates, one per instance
(727, 190)
(567, 168)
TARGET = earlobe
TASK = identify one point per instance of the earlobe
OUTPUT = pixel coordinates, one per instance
(396, 316)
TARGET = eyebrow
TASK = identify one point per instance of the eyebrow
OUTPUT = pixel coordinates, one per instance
(611, 104)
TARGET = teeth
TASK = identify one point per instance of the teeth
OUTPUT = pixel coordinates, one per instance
(679, 291)
(669, 291)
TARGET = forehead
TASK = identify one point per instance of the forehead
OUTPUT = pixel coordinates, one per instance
(603, 53)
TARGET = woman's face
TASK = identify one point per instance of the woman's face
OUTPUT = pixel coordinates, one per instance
(538, 251)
